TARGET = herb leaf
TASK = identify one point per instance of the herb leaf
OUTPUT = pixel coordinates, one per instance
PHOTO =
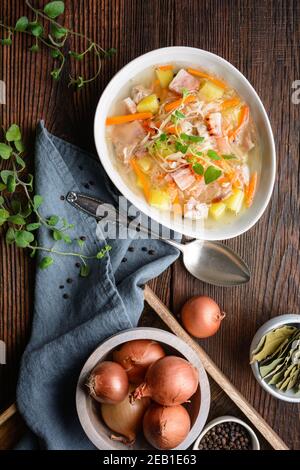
(36, 29)
(198, 168)
(229, 157)
(191, 138)
(213, 155)
(21, 24)
(37, 201)
(17, 219)
(181, 148)
(46, 262)
(11, 183)
(53, 220)
(58, 32)
(5, 151)
(13, 133)
(54, 9)
(33, 226)
(84, 270)
(23, 238)
(162, 137)
(211, 174)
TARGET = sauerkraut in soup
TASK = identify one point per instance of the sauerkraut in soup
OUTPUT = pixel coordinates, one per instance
(187, 140)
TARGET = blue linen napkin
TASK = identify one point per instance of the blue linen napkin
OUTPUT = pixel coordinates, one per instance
(73, 315)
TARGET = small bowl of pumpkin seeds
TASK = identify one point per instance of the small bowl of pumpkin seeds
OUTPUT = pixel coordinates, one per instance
(275, 357)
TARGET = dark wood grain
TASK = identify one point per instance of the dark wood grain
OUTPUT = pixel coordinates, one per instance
(261, 38)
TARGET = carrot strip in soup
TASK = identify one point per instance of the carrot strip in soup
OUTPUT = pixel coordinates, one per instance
(217, 82)
(251, 190)
(165, 67)
(110, 121)
(243, 118)
(171, 130)
(175, 104)
(142, 178)
(230, 103)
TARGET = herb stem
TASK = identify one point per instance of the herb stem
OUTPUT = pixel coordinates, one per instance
(62, 253)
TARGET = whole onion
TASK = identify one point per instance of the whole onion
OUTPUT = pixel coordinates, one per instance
(125, 418)
(165, 427)
(108, 382)
(136, 356)
(169, 381)
(201, 316)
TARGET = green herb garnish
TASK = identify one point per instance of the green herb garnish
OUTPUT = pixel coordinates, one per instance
(191, 138)
(20, 209)
(229, 157)
(211, 174)
(185, 92)
(213, 155)
(198, 168)
(44, 29)
(162, 137)
(181, 148)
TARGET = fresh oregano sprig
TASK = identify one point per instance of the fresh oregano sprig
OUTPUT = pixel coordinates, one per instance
(20, 209)
(46, 31)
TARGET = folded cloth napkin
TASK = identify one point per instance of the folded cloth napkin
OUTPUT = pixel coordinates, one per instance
(73, 315)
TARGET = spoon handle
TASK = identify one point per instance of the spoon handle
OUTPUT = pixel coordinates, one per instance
(101, 210)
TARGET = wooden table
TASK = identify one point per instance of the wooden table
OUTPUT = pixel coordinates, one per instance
(259, 37)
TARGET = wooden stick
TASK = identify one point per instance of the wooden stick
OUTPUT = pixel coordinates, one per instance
(7, 414)
(211, 368)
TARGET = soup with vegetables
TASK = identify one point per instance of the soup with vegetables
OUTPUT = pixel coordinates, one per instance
(187, 140)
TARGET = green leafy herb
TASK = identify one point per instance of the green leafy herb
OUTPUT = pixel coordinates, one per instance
(185, 92)
(211, 174)
(162, 137)
(5, 151)
(46, 262)
(54, 9)
(47, 32)
(21, 24)
(21, 212)
(213, 155)
(181, 148)
(191, 138)
(229, 157)
(179, 114)
(198, 168)
(84, 270)
(13, 133)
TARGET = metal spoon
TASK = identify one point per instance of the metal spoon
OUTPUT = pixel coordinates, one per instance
(208, 261)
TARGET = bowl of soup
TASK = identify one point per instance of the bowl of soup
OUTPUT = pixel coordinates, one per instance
(185, 138)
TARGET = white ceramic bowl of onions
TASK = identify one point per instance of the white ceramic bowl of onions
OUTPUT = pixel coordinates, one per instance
(119, 88)
(89, 410)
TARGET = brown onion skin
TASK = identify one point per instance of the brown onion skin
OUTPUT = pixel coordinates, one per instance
(136, 356)
(201, 316)
(165, 427)
(169, 381)
(108, 383)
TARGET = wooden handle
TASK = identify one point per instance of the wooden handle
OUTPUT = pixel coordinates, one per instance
(218, 376)
(7, 414)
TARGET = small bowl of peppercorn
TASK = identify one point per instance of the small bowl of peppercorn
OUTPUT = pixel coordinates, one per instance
(227, 433)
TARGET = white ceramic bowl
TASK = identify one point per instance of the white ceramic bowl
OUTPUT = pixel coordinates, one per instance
(226, 419)
(276, 322)
(120, 86)
(89, 410)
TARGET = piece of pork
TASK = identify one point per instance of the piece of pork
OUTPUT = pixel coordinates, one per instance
(213, 192)
(125, 137)
(214, 124)
(130, 105)
(184, 178)
(139, 92)
(223, 145)
(184, 80)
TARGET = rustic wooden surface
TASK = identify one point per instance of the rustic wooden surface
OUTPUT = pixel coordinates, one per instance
(261, 38)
